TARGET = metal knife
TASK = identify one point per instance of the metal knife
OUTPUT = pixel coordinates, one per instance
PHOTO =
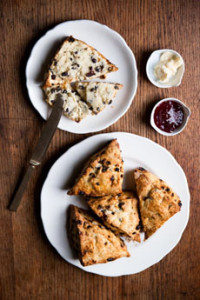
(40, 149)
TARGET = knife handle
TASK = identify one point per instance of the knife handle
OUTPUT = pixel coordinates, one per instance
(21, 188)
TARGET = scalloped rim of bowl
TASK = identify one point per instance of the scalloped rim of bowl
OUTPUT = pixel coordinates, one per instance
(155, 82)
(178, 130)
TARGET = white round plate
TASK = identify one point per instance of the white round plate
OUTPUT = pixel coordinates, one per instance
(111, 45)
(136, 151)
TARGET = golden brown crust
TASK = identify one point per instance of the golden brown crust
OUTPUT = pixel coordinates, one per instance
(158, 202)
(57, 76)
(95, 244)
(119, 212)
(102, 175)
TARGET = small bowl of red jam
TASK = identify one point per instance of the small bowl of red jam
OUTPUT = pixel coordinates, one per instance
(169, 116)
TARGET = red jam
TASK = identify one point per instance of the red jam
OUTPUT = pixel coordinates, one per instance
(169, 115)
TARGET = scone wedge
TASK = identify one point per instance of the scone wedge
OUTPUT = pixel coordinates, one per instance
(119, 213)
(158, 202)
(102, 175)
(94, 243)
(97, 94)
(75, 108)
(76, 60)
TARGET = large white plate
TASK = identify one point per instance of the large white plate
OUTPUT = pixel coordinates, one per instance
(136, 151)
(110, 44)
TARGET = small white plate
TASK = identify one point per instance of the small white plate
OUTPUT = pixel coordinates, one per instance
(153, 60)
(110, 44)
(136, 151)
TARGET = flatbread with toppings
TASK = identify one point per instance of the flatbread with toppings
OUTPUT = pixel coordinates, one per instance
(102, 175)
(158, 202)
(75, 60)
(97, 94)
(119, 213)
(94, 243)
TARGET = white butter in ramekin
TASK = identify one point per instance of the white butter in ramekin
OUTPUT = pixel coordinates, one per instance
(167, 66)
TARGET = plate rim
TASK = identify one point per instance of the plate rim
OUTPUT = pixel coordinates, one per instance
(133, 91)
(161, 148)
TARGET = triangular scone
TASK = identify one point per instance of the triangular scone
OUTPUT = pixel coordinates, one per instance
(102, 175)
(94, 243)
(75, 60)
(97, 94)
(158, 202)
(74, 107)
(119, 213)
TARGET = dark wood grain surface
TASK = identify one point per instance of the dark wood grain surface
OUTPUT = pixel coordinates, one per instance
(29, 266)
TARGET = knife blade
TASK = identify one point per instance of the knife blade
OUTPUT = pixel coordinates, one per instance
(39, 151)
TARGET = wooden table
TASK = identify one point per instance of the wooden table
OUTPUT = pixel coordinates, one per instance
(29, 266)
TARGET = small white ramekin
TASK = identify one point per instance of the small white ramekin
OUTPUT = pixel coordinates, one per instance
(151, 63)
(186, 111)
